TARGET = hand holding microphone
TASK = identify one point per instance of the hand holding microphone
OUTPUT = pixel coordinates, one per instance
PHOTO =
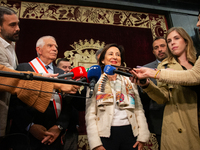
(75, 73)
(110, 70)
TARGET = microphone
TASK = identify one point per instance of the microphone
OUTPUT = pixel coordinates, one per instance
(110, 70)
(75, 73)
(93, 76)
(84, 79)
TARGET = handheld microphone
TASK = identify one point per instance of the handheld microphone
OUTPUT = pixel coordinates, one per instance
(110, 70)
(75, 73)
(93, 75)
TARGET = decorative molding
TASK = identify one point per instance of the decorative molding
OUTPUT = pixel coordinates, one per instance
(91, 44)
(83, 142)
(94, 15)
(83, 53)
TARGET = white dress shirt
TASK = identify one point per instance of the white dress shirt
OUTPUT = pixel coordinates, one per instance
(11, 51)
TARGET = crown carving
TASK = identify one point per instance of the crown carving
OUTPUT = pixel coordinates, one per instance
(83, 53)
(91, 44)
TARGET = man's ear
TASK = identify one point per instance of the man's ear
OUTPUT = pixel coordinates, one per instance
(0, 28)
(38, 49)
(153, 52)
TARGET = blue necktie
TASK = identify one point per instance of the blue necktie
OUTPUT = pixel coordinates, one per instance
(47, 67)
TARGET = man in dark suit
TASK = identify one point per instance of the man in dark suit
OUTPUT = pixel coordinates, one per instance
(43, 129)
(70, 137)
(154, 111)
(64, 64)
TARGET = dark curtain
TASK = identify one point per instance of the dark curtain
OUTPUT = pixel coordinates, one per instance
(136, 41)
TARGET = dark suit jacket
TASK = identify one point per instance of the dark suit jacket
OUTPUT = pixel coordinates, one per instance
(22, 115)
(153, 111)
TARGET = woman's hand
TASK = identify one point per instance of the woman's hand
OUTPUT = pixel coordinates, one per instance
(139, 82)
(99, 148)
(49, 75)
(144, 72)
(139, 144)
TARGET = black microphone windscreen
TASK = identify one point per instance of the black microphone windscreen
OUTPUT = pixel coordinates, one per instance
(61, 76)
(123, 73)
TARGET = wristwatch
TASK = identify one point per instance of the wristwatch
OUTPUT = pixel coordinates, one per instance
(60, 127)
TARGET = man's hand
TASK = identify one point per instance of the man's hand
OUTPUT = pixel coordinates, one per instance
(39, 132)
(50, 139)
(67, 88)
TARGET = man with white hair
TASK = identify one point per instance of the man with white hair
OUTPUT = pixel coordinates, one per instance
(43, 129)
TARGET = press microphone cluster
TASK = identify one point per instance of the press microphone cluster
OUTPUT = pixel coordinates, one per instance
(110, 70)
(75, 73)
(91, 76)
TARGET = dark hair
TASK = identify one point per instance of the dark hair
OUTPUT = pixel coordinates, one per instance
(104, 50)
(62, 59)
(98, 52)
(157, 38)
(3, 11)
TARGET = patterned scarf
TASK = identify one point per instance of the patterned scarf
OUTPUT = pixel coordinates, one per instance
(125, 97)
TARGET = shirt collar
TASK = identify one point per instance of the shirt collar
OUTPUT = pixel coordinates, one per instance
(50, 65)
(158, 61)
(5, 43)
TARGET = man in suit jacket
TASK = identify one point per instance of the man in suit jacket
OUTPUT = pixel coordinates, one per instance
(9, 33)
(43, 129)
(70, 137)
(154, 111)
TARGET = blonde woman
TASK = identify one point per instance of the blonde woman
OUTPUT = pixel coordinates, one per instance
(185, 77)
(180, 128)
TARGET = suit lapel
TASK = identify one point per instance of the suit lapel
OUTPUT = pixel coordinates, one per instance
(54, 69)
(155, 64)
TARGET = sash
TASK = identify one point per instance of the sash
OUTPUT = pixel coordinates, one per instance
(38, 67)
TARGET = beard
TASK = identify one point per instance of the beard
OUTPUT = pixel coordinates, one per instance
(10, 37)
(161, 58)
